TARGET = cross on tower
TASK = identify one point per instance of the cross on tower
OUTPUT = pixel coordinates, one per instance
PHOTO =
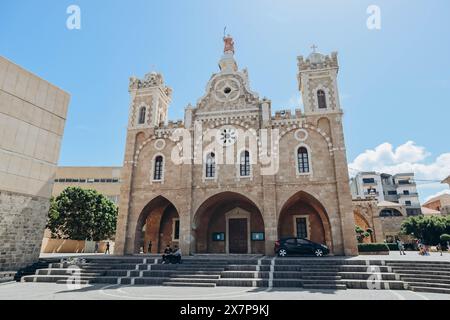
(314, 47)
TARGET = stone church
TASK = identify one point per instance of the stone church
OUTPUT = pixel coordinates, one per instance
(233, 177)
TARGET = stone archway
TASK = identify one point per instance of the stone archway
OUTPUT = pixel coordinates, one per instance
(363, 223)
(158, 225)
(304, 216)
(228, 222)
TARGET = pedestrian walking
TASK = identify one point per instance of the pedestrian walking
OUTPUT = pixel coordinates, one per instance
(401, 247)
(96, 247)
(107, 248)
(439, 248)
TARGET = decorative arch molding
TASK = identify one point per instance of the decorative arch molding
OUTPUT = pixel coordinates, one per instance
(312, 200)
(159, 203)
(312, 128)
(206, 199)
(363, 217)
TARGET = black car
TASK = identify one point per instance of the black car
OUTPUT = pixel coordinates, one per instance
(299, 246)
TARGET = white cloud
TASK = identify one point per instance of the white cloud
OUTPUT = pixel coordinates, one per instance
(407, 157)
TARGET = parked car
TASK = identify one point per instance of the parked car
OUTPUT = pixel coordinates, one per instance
(299, 246)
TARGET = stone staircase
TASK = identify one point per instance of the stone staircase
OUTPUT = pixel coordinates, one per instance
(423, 276)
(307, 273)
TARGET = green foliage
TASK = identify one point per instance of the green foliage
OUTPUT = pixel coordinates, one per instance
(445, 237)
(80, 214)
(361, 234)
(427, 228)
(372, 247)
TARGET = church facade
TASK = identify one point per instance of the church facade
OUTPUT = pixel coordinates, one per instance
(232, 177)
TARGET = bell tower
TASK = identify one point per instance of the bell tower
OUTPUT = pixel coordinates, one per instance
(150, 99)
(317, 78)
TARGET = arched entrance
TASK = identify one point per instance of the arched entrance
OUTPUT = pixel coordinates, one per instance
(304, 216)
(158, 226)
(229, 222)
(362, 222)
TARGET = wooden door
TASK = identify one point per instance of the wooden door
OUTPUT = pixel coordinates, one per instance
(237, 236)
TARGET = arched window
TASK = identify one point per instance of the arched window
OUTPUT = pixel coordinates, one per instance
(303, 160)
(158, 170)
(210, 165)
(321, 98)
(245, 164)
(142, 115)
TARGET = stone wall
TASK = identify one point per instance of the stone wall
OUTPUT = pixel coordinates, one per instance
(32, 120)
(22, 223)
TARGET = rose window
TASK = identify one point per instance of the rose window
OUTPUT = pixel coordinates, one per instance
(227, 136)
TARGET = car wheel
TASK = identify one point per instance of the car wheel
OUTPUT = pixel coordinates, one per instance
(318, 252)
(282, 252)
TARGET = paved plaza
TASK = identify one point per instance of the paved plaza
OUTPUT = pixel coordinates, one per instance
(52, 291)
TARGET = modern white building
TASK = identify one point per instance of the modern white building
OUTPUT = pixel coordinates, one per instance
(399, 188)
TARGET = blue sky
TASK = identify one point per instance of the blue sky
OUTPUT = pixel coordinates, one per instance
(394, 82)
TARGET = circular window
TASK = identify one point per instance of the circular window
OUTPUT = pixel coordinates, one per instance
(227, 136)
(301, 135)
(227, 90)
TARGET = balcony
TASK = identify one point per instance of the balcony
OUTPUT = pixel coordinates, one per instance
(405, 183)
(411, 194)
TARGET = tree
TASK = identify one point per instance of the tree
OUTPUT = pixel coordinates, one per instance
(427, 228)
(80, 214)
(444, 237)
(361, 234)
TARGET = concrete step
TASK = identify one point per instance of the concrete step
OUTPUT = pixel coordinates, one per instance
(422, 268)
(434, 277)
(430, 289)
(81, 282)
(364, 268)
(196, 276)
(375, 284)
(185, 272)
(201, 269)
(54, 278)
(369, 275)
(188, 284)
(428, 284)
(241, 274)
(420, 272)
(67, 272)
(192, 280)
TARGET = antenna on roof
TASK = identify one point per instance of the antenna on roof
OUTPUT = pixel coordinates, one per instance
(224, 31)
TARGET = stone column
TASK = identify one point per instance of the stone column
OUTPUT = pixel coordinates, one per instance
(270, 214)
(343, 188)
(122, 236)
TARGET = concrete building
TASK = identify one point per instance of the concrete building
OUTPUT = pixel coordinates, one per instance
(32, 119)
(439, 203)
(106, 180)
(399, 188)
(231, 177)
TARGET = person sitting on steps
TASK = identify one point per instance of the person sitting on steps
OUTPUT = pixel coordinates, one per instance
(166, 255)
(175, 257)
